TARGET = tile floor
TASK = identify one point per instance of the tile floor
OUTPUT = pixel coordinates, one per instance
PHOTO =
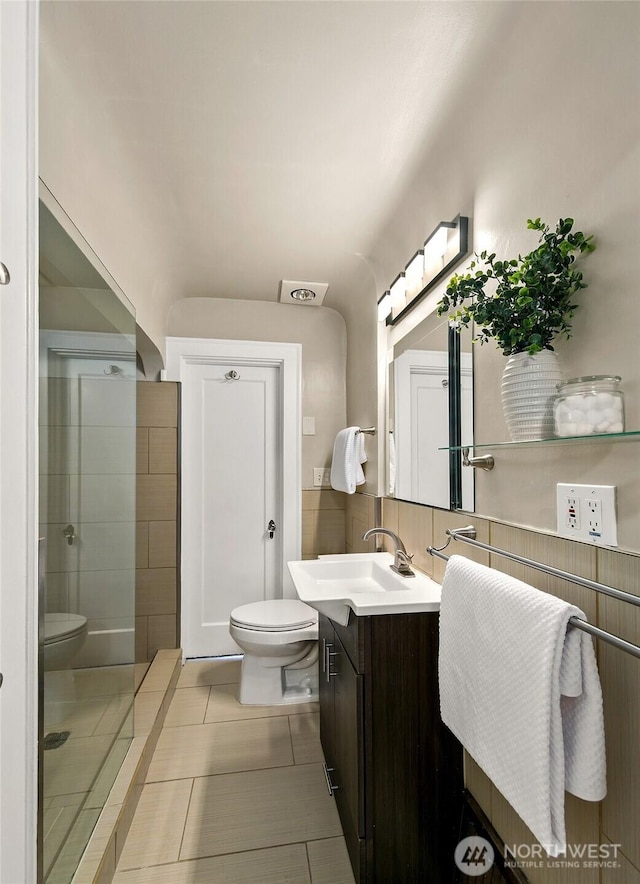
(93, 706)
(234, 794)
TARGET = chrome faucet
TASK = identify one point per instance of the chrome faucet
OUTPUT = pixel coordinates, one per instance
(402, 559)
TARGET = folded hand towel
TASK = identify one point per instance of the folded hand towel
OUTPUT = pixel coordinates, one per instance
(346, 469)
(521, 694)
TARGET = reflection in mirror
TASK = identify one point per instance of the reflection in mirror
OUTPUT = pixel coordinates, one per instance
(421, 419)
(467, 500)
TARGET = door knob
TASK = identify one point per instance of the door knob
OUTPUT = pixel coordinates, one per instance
(70, 533)
(271, 527)
(5, 276)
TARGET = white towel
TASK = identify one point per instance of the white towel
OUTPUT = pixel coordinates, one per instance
(523, 701)
(346, 469)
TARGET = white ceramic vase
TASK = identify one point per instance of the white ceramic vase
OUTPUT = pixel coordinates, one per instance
(529, 384)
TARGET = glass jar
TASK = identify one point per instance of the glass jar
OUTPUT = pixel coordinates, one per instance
(589, 405)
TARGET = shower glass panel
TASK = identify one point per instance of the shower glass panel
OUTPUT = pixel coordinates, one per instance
(87, 517)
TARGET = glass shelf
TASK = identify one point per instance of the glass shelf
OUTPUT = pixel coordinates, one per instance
(554, 440)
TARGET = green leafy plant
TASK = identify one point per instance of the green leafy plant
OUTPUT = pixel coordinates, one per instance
(532, 301)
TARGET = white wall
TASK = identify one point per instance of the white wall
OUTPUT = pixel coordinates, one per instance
(547, 125)
(321, 332)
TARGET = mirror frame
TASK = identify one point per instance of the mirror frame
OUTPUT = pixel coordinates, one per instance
(455, 421)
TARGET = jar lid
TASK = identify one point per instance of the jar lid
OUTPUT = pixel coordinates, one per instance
(592, 379)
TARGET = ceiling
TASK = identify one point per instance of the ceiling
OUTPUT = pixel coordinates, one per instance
(249, 142)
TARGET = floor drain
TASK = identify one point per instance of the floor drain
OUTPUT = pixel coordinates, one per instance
(56, 739)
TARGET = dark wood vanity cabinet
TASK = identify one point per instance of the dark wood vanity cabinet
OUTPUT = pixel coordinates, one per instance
(395, 770)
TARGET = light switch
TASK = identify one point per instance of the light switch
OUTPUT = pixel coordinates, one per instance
(308, 426)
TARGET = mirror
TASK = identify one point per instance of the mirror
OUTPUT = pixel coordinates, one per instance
(430, 402)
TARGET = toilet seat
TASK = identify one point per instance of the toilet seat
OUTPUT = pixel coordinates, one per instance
(62, 627)
(274, 615)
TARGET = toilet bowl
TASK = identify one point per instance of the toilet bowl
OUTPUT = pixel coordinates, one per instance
(64, 635)
(279, 638)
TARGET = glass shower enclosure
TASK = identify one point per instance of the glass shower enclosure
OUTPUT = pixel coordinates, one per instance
(87, 520)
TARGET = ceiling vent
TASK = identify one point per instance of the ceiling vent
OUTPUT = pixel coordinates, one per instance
(307, 293)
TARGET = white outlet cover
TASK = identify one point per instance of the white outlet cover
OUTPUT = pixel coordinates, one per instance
(582, 494)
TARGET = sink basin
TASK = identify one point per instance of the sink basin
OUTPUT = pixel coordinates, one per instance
(363, 583)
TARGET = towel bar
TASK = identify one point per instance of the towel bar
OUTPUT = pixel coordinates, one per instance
(370, 431)
(468, 535)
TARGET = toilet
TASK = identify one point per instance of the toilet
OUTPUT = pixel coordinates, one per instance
(279, 638)
(64, 635)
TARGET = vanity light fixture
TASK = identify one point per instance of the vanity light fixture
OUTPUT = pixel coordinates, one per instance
(414, 271)
(443, 249)
(398, 292)
(384, 307)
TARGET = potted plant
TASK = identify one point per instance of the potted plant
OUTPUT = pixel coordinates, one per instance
(524, 303)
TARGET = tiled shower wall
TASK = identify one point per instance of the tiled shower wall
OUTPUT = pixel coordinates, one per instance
(616, 820)
(157, 596)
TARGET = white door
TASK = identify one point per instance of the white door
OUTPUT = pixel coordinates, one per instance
(18, 441)
(238, 528)
(422, 427)
(87, 494)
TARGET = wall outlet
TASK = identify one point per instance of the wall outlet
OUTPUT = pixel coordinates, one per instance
(572, 513)
(588, 512)
(321, 477)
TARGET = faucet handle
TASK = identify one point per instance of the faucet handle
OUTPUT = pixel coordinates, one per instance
(402, 564)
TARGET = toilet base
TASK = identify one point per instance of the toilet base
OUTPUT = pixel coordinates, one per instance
(276, 686)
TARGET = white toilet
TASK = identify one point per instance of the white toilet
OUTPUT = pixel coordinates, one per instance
(64, 635)
(279, 638)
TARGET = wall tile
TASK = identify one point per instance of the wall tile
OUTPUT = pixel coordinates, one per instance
(156, 497)
(157, 404)
(141, 639)
(567, 555)
(162, 544)
(54, 498)
(479, 784)
(359, 517)
(415, 529)
(623, 872)
(620, 676)
(581, 826)
(161, 633)
(103, 498)
(142, 544)
(309, 533)
(107, 449)
(105, 545)
(163, 450)
(142, 450)
(330, 500)
(329, 532)
(390, 513)
(156, 591)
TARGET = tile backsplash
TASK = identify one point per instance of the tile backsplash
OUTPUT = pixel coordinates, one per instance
(157, 597)
(616, 820)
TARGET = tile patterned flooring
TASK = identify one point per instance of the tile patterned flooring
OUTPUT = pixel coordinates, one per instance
(234, 794)
(93, 706)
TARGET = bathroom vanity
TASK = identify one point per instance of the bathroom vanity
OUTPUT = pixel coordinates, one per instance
(395, 770)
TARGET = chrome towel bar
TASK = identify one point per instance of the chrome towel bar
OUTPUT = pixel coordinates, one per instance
(468, 535)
